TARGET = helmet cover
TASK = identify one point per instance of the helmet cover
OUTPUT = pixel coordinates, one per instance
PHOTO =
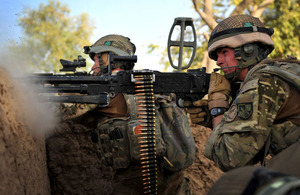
(239, 30)
(117, 44)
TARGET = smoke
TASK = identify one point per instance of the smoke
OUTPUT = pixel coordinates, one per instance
(39, 116)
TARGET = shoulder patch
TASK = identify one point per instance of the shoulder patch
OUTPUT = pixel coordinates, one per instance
(245, 110)
(231, 114)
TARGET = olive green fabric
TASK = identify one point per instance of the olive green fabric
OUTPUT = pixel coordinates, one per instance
(176, 133)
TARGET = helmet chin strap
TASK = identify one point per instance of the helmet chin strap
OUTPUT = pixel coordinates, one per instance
(217, 69)
(233, 76)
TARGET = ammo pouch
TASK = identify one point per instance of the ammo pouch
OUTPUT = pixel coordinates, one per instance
(118, 144)
(175, 129)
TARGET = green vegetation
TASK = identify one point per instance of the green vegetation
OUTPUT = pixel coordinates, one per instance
(284, 17)
(51, 34)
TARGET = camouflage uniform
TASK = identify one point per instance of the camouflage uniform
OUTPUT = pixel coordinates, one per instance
(264, 116)
(97, 153)
(265, 105)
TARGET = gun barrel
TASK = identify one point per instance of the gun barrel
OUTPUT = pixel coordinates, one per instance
(82, 89)
(102, 99)
(69, 79)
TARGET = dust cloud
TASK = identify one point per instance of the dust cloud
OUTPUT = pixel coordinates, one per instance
(39, 116)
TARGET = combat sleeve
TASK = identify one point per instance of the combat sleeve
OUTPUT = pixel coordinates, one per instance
(245, 127)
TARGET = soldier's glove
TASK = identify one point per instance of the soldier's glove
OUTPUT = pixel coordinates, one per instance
(219, 91)
(199, 113)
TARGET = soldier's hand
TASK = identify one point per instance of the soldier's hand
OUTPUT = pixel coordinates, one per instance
(219, 91)
(198, 111)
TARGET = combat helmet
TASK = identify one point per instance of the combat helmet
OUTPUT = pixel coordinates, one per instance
(117, 44)
(247, 35)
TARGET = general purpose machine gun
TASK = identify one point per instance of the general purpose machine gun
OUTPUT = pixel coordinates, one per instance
(190, 85)
(80, 87)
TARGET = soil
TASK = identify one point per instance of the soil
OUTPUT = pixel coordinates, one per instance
(23, 158)
(203, 173)
(23, 168)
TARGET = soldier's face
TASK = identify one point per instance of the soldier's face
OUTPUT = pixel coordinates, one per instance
(226, 58)
(96, 68)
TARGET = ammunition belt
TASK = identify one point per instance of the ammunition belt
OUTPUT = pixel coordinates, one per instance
(146, 113)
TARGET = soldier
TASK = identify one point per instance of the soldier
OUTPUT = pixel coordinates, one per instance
(264, 115)
(96, 150)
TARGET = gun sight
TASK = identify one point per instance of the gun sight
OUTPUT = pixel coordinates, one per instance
(69, 66)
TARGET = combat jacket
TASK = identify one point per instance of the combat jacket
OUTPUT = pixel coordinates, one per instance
(266, 105)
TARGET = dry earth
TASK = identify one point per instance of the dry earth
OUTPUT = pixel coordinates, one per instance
(23, 168)
(203, 173)
(23, 163)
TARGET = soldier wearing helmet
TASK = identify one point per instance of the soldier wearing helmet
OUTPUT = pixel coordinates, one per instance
(117, 44)
(247, 36)
(104, 155)
(263, 116)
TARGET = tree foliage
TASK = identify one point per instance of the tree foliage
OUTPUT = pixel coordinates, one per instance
(282, 15)
(52, 34)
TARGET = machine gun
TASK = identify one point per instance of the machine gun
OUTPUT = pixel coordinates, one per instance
(191, 85)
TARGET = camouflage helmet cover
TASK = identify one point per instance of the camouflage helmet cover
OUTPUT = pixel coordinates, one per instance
(117, 44)
(239, 30)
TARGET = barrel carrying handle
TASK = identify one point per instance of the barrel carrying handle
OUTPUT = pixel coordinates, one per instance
(183, 22)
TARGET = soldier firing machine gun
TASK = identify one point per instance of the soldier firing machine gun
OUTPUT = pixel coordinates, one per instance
(190, 85)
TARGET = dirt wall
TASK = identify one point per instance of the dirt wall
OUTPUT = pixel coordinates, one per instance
(23, 168)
